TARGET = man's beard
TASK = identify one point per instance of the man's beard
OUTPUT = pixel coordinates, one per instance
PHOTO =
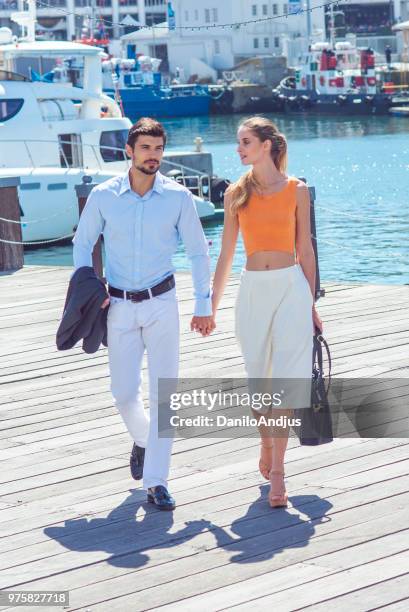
(147, 171)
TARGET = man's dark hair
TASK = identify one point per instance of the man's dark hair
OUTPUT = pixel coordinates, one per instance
(146, 126)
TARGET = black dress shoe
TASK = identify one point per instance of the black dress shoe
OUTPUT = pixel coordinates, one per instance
(136, 461)
(160, 496)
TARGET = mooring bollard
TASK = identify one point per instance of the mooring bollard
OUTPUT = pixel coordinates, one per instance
(11, 247)
(318, 291)
(83, 192)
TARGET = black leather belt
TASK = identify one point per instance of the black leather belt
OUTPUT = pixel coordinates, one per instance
(138, 296)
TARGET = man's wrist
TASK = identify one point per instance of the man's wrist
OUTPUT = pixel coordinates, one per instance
(203, 307)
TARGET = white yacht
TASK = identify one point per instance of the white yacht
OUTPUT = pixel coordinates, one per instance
(52, 132)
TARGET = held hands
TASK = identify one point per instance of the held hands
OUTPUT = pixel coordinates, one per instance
(203, 325)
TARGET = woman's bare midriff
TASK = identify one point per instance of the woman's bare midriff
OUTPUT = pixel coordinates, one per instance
(269, 260)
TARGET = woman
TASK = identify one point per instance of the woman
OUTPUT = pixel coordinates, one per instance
(275, 311)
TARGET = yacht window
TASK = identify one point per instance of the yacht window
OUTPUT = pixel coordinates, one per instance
(70, 150)
(112, 145)
(9, 108)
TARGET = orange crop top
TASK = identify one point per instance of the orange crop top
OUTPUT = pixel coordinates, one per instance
(267, 223)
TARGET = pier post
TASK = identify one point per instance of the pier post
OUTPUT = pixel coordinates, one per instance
(83, 192)
(318, 291)
(11, 255)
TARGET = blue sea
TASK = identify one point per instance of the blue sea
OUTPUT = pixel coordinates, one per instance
(360, 170)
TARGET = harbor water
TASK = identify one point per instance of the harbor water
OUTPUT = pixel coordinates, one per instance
(359, 167)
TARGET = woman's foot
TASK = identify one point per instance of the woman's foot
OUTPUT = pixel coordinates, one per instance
(266, 458)
(277, 496)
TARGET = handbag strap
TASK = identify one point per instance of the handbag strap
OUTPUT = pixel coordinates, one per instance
(319, 341)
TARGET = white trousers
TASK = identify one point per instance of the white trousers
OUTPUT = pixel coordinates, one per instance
(274, 328)
(133, 327)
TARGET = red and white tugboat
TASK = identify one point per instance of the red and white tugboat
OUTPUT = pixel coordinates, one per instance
(334, 78)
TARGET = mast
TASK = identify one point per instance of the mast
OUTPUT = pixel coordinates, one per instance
(308, 22)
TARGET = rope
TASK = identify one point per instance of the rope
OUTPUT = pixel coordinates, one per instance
(39, 241)
(209, 26)
(361, 217)
(400, 256)
(37, 220)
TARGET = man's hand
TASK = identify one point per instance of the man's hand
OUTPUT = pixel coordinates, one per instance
(105, 303)
(203, 325)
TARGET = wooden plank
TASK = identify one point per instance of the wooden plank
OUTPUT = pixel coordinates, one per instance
(124, 535)
(369, 598)
(365, 575)
(71, 517)
(261, 547)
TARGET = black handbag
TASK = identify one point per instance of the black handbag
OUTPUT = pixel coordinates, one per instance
(316, 422)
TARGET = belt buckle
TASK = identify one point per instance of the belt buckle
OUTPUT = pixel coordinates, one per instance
(137, 297)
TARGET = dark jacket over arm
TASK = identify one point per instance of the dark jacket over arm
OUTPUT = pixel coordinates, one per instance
(83, 317)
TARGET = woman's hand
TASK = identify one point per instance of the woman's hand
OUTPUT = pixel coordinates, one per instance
(317, 320)
(203, 325)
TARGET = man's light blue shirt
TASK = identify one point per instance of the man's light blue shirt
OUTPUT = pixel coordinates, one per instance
(141, 234)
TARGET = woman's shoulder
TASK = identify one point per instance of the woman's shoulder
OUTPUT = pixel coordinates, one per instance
(294, 179)
(299, 184)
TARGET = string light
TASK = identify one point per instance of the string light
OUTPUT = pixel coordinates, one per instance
(236, 25)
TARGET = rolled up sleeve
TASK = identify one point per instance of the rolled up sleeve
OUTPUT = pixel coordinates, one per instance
(90, 226)
(191, 232)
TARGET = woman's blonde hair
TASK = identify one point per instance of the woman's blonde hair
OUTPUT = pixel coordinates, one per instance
(264, 129)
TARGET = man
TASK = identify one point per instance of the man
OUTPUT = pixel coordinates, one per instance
(388, 55)
(142, 215)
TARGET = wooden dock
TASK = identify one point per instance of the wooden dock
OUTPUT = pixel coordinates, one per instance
(71, 517)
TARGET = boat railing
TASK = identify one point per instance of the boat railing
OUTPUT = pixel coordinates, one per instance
(198, 182)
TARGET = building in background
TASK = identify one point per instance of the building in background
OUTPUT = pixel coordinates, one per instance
(64, 19)
(213, 49)
(370, 22)
(207, 52)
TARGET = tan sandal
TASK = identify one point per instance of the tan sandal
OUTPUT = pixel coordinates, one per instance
(277, 496)
(264, 467)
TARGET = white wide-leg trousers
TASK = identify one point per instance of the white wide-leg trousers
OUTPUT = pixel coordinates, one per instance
(274, 328)
(133, 327)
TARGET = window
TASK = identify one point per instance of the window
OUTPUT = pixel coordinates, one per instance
(9, 108)
(207, 15)
(255, 43)
(265, 9)
(285, 9)
(254, 10)
(275, 9)
(70, 150)
(266, 42)
(186, 15)
(215, 15)
(112, 145)
(276, 41)
(196, 15)
(217, 46)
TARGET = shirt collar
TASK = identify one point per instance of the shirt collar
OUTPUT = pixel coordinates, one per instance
(126, 185)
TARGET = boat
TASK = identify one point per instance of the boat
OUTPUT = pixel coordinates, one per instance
(54, 132)
(399, 111)
(137, 85)
(334, 78)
